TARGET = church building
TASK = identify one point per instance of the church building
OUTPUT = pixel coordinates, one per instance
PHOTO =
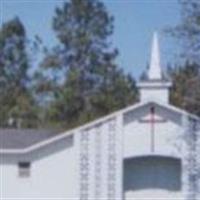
(148, 150)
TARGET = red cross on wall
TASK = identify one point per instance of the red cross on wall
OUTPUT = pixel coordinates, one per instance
(152, 121)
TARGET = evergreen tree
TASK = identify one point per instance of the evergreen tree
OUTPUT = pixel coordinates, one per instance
(16, 102)
(186, 87)
(85, 82)
(187, 32)
(186, 78)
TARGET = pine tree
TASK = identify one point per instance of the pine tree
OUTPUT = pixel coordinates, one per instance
(16, 102)
(186, 87)
(187, 32)
(85, 81)
(186, 77)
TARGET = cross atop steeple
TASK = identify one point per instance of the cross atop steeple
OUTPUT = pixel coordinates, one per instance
(154, 72)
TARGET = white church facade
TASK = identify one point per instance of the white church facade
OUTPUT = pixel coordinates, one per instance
(135, 153)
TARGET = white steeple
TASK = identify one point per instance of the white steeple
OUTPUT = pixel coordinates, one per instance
(154, 87)
(154, 72)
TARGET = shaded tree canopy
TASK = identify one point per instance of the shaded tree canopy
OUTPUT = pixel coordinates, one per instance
(186, 75)
(85, 82)
(16, 102)
(186, 87)
(187, 32)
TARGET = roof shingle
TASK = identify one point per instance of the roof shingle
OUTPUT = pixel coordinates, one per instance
(23, 138)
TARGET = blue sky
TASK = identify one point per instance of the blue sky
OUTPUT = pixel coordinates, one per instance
(135, 22)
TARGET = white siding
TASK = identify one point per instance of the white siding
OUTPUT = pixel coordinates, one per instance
(55, 172)
(137, 143)
(137, 135)
(161, 94)
(54, 177)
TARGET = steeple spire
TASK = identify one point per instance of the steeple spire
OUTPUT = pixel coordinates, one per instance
(154, 88)
(155, 72)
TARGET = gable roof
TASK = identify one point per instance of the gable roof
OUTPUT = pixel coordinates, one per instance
(46, 137)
